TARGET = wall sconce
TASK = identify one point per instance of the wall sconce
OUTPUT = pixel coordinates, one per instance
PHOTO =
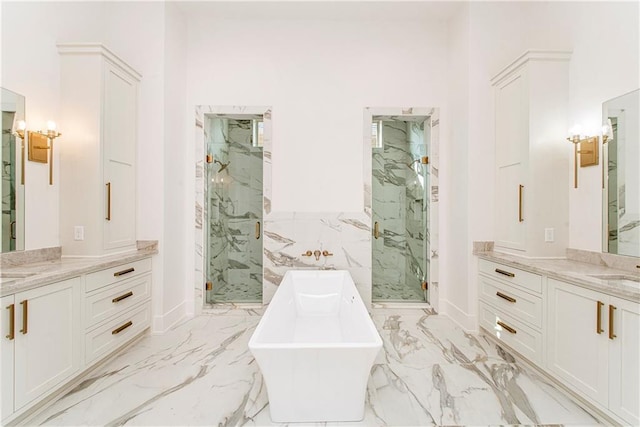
(40, 142)
(21, 127)
(588, 148)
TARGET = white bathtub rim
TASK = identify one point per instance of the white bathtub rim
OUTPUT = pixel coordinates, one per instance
(375, 343)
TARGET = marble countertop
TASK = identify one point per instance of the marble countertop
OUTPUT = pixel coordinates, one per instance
(578, 273)
(33, 275)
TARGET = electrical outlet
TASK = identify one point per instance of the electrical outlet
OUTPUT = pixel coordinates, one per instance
(549, 235)
(78, 232)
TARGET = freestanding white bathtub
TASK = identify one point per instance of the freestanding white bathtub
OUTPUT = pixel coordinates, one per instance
(315, 346)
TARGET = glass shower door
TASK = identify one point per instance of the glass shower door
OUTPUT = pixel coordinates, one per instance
(233, 237)
(399, 210)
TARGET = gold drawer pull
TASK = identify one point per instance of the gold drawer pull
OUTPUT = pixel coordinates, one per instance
(506, 327)
(121, 297)
(257, 229)
(121, 328)
(520, 188)
(505, 273)
(507, 297)
(612, 335)
(25, 316)
(108, 217)
(376, 230)
(599, 329)
(12, 322)
(123, 272)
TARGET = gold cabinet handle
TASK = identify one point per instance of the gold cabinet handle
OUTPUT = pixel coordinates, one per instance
(520, 188)
(326, 253)
(308, 253)
(257, 229)
(599, 306)
(121, 297)
(25, 316)
(505, 273)
(507, 297)
(121, 328)
(108, 217)
(123, 272)
(612, 334)
(12, 322)
(12, 230)
(376, 230)
(22, 162)
(507, 327)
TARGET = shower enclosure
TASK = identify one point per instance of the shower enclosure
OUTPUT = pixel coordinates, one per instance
(233, 194)
(400, 181)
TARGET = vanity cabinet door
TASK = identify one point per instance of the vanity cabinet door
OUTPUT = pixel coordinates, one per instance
(48, 339)
(624, 359)
(576, 353)
(119, 127)
(8, 331)
(511, 151)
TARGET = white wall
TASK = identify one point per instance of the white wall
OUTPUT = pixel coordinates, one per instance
(318, 74)
(604, 39)
(178, 226)
(456, 163)
(135, 31)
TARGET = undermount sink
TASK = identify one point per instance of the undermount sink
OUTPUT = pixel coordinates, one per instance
(619, 279)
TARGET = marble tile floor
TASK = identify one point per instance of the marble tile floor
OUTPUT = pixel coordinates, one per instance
(202, 373)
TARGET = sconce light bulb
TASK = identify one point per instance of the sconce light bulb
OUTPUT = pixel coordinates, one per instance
(51, 125)
(22, 125)
(575, 131)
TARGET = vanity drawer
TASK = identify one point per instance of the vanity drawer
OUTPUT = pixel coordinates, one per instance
(512, 301)
(115, 274)
(521, 338)
(116, 298)
(117, 332)
(530, 281)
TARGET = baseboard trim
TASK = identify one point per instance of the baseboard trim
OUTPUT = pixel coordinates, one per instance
(162, 324)
(466, 322)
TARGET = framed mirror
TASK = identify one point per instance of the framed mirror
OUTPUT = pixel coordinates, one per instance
(12, 162)
(621, 176)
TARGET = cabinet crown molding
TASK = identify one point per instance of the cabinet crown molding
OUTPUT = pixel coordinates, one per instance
(97, 49)
(532, 55)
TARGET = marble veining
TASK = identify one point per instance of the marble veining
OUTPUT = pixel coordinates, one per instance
(621, 262)
(286, 235)
(578, 273)
(233, 208)
(430, 372)
(17, 258)
(46, 272)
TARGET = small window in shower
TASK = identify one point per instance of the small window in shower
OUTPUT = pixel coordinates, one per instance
(376, 134)
(258, 133)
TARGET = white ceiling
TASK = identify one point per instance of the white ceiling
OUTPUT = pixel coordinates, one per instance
(332, 10)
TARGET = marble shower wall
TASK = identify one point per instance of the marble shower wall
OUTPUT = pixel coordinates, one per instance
(8, 181)
(399, 206)
(287, 235)
(234, 195)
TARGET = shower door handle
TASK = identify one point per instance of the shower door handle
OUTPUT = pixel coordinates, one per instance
(376, 230)
(257, 229)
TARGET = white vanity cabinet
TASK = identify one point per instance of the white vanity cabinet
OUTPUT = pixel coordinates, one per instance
(531, 98)
(99, 102)
(117, 307)
(511, 308)
(41, 342)
(594, 346)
